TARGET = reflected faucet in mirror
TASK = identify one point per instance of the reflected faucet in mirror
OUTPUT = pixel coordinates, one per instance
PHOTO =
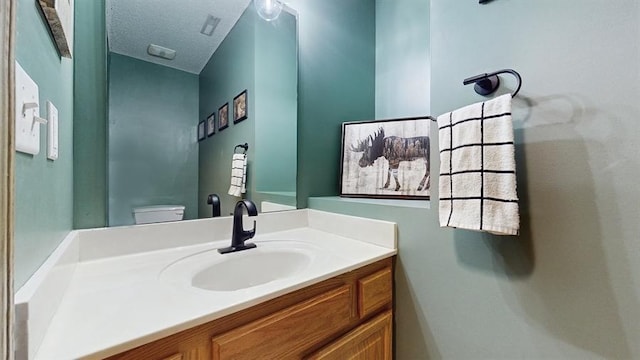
(214, 201)
(239, 235)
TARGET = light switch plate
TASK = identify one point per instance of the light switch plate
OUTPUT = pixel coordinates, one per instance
(52, 131)
(27, 130)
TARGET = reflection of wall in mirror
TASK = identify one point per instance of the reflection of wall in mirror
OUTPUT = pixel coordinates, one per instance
(153, 149)
(268, 206)
(266, 53)
(276, 111)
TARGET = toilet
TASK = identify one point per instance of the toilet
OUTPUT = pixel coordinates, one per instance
(158, 213)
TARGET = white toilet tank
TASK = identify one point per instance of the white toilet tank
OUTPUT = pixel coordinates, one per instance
(158, 213)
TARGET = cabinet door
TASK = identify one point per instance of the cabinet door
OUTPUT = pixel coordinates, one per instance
(375, 292)
(370, 341)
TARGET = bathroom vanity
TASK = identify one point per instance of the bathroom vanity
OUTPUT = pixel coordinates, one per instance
(346, 317)
(318, 286)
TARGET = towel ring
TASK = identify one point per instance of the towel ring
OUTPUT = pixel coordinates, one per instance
(244, 146)
(487, 84)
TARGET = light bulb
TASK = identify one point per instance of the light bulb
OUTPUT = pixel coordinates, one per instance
(268, 9)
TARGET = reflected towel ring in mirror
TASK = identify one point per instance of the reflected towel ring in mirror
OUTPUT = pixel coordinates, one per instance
(244, 146)
(268, 9)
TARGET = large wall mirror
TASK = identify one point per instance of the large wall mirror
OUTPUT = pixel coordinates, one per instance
(172, 66)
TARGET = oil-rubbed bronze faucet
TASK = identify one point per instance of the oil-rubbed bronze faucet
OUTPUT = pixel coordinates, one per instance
(214, 201)
(239, 235)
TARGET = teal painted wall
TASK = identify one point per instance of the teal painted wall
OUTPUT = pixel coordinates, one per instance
(403, 79)
(44, 188)
(567, 287)
(336, 84)
(576, 127)
(153, 152)
(403, 69)
(90, 114)
(276, 104)
(229, 71)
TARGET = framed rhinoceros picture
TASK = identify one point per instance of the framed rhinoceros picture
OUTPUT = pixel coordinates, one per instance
(386, 159)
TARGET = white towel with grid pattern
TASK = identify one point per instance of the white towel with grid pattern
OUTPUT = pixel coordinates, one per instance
(478, 168)
(238, 175)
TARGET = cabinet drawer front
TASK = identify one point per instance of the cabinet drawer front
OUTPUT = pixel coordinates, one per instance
(374, 292)
(369, 341)
(287, 333)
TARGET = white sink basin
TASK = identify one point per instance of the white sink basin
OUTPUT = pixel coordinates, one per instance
(270, 261)
(250, 269)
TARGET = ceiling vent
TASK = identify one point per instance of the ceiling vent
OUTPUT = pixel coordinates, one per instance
(210, 25)
(161, 52)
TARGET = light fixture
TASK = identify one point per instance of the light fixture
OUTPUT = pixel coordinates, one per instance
(161, 52)
(268, 9)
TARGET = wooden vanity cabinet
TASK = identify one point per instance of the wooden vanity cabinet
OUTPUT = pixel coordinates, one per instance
(345, 317)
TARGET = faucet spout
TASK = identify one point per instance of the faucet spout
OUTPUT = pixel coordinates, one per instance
(214, 201)
(239, 235)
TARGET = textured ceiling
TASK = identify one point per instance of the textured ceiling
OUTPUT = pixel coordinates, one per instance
(175, 24)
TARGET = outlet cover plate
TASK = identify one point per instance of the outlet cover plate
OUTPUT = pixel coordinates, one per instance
(52, 131)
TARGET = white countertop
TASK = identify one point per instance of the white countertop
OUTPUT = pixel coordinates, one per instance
(114, 304)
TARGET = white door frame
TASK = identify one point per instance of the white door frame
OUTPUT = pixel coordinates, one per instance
(7, 146)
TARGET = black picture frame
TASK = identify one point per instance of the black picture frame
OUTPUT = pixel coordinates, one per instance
(211, 124)
(223, 117)
(365, 170)
(201, 130)
(240, 107)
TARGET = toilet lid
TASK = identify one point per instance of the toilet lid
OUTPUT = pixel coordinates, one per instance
(153, 208)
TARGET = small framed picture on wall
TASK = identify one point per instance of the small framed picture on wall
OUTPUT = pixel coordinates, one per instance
(240, 110)
(211, 124)
(201, 130)
(223, 117)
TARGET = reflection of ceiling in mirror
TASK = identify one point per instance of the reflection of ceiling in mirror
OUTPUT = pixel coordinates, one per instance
(174, 24)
